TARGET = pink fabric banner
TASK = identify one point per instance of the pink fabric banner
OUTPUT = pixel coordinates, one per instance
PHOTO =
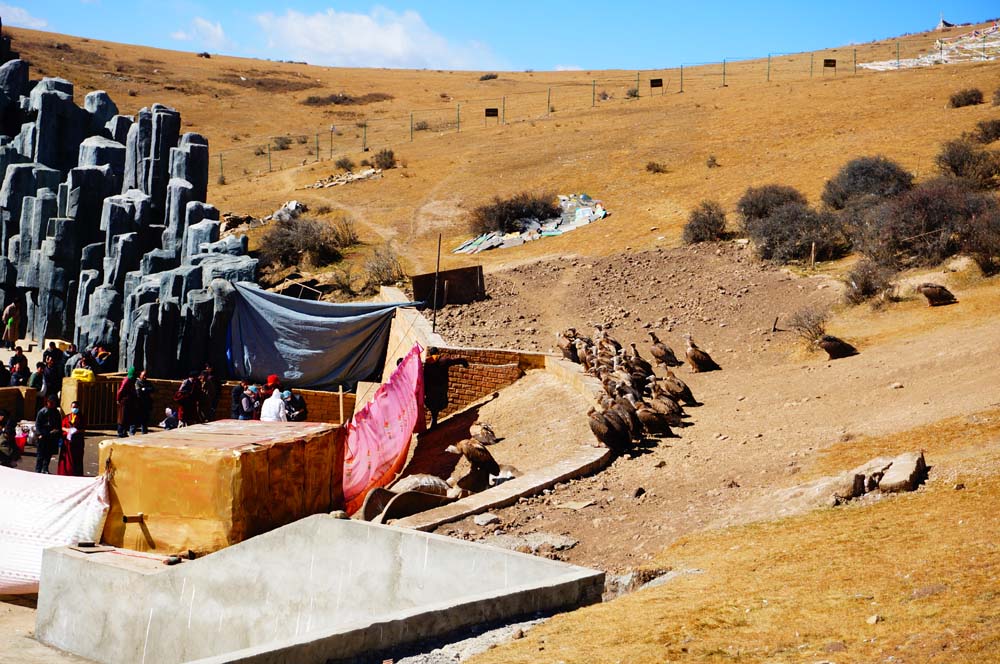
(41, 511)
(378, 436)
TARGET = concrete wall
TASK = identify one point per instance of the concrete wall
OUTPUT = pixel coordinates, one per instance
(318, 589)
(459, 286)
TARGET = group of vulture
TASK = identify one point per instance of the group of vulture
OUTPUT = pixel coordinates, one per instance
(636, 402)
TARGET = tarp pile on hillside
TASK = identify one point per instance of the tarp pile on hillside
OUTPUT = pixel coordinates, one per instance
(971, 46)
(345, 178)
(577, 210)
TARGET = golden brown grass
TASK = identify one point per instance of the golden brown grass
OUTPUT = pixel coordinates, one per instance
(803, 588)
(794, 130)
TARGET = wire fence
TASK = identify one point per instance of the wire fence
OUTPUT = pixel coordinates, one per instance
(359, 139)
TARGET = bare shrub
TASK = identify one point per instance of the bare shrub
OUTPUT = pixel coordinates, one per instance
(866, 280)
(604, 95)
(996, 97)
(205, 54)
(289, 242)
(962, 158)
(863, 176)
(281, 142)
(760, 202)
(987, 131)
(385, 159)
(421, 125)
(488, 77)
(707, 223)
(323, 209)
(711, 162)
(980, 239)
(260, 151)
(809, 323)
(922, 226)
(301, 139)
(342, 280)
(967, 97)
(794, 230)
(344, 163)
(344, 231)
(383, 266)
(505, 214)
(632, 93)
(656, 167)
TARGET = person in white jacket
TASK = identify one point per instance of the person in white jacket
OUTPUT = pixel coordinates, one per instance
(273, 409)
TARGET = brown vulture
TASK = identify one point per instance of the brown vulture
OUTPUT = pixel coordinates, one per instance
(699, 360)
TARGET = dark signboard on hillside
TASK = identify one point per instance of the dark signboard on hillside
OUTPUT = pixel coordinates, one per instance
(656, 82)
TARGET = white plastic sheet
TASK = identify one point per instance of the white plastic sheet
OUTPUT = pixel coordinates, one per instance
(41, 511)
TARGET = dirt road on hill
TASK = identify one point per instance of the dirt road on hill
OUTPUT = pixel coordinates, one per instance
(763, 418)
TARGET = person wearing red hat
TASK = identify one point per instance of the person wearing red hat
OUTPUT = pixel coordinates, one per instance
(273, 383)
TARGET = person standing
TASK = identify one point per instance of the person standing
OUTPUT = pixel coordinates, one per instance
(273, 409)
(188, 400)
(58, 357)
(249, 403)
(236, 398)
(128, 405)
(211, 390)
(71, 454)
(37, 379)
(144, 389)
(295, 406)
(19, 373)
(9, 451)
(52, 377)
(48, 433)
(436, 380)
(11, 325)
(17, 357)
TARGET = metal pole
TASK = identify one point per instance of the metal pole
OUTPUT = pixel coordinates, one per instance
(593, 93)
(810, 65)
(268, 156)
(855, 61)
(723, 72)
(317, 146)
(411, 127)
(682, 79)
(437, 270)
(331, 142)
(548, 102)
(897, 55)
(768, 67)
(503, 110)
(364, 136)
(222, 173)
(458, 117)
(637, 84)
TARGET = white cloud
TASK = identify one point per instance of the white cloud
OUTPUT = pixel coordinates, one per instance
(381, 38)
(205, 33)
(21, 17)
(569, 68)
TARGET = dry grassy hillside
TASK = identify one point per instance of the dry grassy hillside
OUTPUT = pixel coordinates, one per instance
(796, 130)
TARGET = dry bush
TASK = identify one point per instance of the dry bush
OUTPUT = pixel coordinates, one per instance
(488, 77)
(996, 97)
(260, 151)
(656, 167)
(980, 239)
(809, 323)
(344, 163)
(967, 97)
(711, 162)
(323, 209)
(707, 223)
(866, 280)
(221, 180)
(301, 139)
(287, 243)
(922, 226)
(505, 214)
(383, 267)
(344, 99)
(759, 202)
(987, 131)
(421, 125)
(344, 231)
(632, 93)
(342, 280)
(282, 142)
(864, 176)
(792, 231)
(385, 159)
(963, 159)
(604, 95)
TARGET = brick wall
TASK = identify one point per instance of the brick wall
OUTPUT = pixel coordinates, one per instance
(99, 406)
(489, 370)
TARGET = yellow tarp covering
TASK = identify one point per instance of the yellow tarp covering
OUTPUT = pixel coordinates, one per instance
(209, 486)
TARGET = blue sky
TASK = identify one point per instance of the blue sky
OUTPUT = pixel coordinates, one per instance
(511, 35)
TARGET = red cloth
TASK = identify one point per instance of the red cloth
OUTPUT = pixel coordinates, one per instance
(378, 436)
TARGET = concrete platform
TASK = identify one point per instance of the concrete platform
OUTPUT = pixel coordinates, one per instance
(320, 589)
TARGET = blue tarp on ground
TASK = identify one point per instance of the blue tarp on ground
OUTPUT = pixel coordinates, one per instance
(308, 344)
